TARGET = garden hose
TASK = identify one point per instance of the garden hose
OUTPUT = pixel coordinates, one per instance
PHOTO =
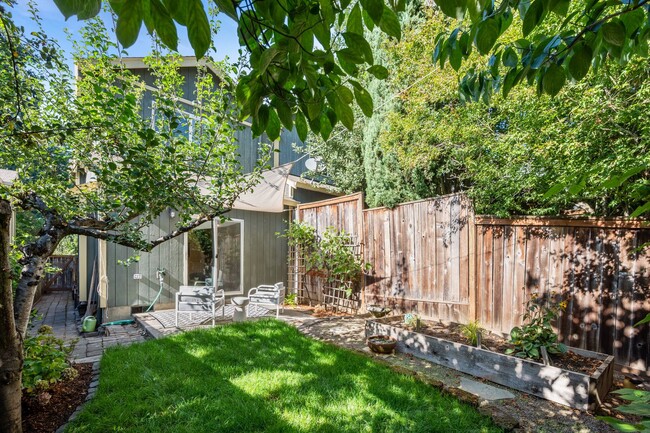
(160, 274)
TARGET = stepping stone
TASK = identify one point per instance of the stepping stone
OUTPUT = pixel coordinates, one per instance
(484, 391)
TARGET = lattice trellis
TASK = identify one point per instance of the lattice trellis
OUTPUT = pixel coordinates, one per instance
(313, 289)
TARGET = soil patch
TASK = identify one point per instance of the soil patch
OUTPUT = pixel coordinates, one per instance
(495, 343)
(47, 411)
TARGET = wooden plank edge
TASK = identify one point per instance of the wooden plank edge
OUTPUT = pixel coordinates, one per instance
(617, 223)
(331, 201)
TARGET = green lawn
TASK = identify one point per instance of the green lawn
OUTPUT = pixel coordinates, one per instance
(262, 376)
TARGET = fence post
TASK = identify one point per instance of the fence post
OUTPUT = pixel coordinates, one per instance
(472, 253)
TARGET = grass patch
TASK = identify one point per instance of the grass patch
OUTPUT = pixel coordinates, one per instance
(262, 376)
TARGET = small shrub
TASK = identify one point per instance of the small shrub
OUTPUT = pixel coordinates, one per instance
(291, 300)
(46, 360)
(412, 320)
(471, 331)
(537, 330)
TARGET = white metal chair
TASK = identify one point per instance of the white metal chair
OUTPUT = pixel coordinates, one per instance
(268, 296)
(200, 299)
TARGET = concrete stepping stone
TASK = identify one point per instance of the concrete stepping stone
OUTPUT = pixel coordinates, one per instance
(484, 391)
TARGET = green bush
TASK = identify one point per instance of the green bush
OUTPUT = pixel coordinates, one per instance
(537, 331)
(46, 360)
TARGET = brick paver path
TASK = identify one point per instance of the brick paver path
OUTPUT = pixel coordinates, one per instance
(57, 310)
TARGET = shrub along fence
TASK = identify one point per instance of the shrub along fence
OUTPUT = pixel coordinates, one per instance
(436, 258)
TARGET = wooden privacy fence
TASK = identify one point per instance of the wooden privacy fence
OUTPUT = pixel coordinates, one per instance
(600, 267)
(436, 258)
(419, 254)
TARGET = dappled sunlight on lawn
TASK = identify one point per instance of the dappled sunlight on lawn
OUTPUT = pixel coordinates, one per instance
(262, 376)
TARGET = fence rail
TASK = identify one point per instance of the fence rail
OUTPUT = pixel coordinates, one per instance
(437, 258)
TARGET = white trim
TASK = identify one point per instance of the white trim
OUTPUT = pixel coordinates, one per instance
(186, 248)
(82, 252)
(186, 62)
(241, 258)
(214, 225)
(311, 185)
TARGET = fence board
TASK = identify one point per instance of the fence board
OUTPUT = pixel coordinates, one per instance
(594, 264)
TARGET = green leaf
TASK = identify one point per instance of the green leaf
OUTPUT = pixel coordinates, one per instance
(178, 10)
(358, 43)
(554, 190)
(486, 35)
(364, 100)
(314, 109)
(509, 81)
(643, 321)
(641, 210)
(284, 112)
(633, 394)
(510, 58)
(273, 126)
(633, 21)
(620, 425)
(301, 126)
(350, 55)
(375, 9)
(266, 58)
(260, 121)
(355, 23)
(614, 32)
(129, 22)
(456, 57)
(640, 408)
(344, 113)
(389, 24)
(164, 24)
(580, 61)
(553, 80)
(533, 17)
(227, 7)
(378, 71)
(326, 125)
(83, 9)
(198, 28)
(453, 8)
(345, 94)
(559, 7)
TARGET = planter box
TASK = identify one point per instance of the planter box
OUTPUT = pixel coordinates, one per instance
(565, 387)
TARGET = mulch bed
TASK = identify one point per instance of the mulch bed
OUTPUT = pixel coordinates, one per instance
(47, 411)
(495, 343)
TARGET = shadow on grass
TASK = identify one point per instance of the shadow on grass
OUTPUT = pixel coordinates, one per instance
(262, 376)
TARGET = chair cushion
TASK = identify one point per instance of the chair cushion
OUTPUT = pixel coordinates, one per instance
(268, 298)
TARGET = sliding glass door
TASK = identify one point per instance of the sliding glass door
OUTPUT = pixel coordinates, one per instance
(215, 249)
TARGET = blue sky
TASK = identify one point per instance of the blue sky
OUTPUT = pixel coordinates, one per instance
(54, 24)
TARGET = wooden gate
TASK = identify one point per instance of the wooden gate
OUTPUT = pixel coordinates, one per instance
(65, 276)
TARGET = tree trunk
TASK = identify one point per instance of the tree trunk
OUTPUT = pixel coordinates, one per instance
(11, 347)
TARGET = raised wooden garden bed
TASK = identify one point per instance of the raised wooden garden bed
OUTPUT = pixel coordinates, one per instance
(569, 388)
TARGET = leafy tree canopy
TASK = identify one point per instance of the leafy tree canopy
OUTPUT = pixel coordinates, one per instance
(588, 143)
(556, 41)
(305, 55)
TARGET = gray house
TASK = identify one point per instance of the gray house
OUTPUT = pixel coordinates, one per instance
(235, 255)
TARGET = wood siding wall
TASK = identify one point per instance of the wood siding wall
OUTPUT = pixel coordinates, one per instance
(597, 265)
(420, 257)
(265, 255)
(124, 290)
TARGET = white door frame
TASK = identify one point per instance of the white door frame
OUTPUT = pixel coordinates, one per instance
(214, 224)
